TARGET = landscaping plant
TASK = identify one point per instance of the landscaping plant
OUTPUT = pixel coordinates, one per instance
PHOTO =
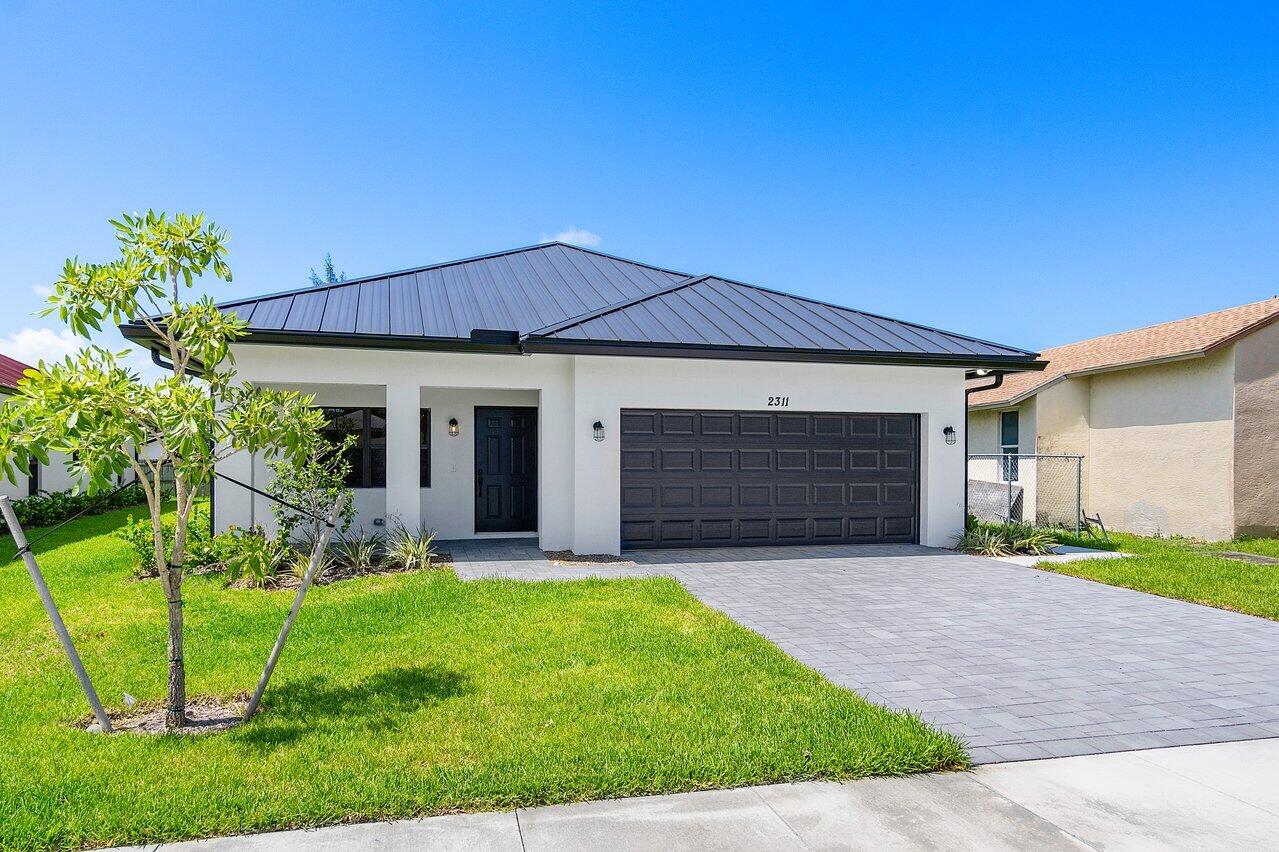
(52, 507)
(314, 486)
(410, 550)
(96, 410)
(1008, 539)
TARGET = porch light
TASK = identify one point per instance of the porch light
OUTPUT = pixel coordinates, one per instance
(949, 432)
(453, 430)
(599, 430)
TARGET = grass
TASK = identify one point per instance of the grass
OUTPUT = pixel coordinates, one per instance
(404, 695)
(1186, 570)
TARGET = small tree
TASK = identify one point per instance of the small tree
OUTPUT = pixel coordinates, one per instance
(313, 486)
(331, 275)
(109, 421)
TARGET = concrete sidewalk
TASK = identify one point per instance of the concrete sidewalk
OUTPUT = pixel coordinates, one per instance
(1221, 796)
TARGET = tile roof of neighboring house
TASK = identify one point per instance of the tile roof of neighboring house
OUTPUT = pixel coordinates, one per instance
(10, 371)
(560, 298)
(1157, 343)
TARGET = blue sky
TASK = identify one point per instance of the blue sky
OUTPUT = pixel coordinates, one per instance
(1035, 175)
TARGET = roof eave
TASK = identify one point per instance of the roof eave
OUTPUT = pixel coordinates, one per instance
(140, 334)
(765, 353)
(1018, 399)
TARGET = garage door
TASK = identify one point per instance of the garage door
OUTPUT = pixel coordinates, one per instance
(723, 478)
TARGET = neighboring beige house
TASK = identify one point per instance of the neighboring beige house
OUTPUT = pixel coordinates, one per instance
(1178, 423)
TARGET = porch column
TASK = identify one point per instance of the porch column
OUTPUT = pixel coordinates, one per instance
(403, 480)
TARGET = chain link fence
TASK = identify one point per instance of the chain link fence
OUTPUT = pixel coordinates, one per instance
(1044, 490)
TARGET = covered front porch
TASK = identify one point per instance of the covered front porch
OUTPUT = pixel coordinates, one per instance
(462, 461)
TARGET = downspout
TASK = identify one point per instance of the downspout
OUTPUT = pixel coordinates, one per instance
(968, 392)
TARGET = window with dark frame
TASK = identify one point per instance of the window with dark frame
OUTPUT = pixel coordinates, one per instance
(424, 447)
(1009, 444)
(367, 456)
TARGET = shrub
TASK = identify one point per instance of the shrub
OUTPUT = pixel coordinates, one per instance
(410, 550)
(250, 553)
(985, 539)
(314, 485)
(201, 555)
(54, 507)
(358, 552)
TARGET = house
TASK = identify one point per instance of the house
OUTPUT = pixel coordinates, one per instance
(40, 477)
(599, 403)
(1178, 423)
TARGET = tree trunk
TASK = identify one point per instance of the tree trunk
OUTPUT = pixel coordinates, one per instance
(176, 696)
(176, 700)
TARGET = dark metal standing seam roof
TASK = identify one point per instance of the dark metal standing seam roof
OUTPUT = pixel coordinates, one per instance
(518, 290)
(560, 298)
(708, 311)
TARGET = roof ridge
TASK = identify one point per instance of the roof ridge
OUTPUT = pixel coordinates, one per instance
(860, 312)
(413, 270)
(1168, 322)
(559, 326)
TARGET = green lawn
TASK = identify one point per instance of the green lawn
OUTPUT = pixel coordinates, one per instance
(404, 695)
(1184, 569)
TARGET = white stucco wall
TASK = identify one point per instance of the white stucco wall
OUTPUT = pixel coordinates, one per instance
(1161, 448)
(579, 478)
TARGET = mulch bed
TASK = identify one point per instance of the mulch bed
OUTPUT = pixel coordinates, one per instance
(568, 557)
(205, 715)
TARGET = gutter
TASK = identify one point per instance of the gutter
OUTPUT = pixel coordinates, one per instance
(506, 342)
(968, 392)
(764, 353)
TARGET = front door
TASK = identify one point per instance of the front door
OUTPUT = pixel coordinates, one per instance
(505, 469)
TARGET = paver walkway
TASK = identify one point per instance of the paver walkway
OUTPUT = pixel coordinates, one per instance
(1197, 797)
(1020, 663)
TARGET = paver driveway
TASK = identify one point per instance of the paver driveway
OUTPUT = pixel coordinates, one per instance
(1020, 663)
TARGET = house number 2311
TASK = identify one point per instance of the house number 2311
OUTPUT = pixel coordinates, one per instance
(778, 401)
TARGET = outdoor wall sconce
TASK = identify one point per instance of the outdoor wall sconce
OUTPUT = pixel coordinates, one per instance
(599, 430)
(949, 432)
(453, 430)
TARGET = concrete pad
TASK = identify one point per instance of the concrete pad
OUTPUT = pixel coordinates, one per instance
(951, 811)
(1249, 771)
(1063, 553)
(713, 820)
(1124, 801)
(492, 832)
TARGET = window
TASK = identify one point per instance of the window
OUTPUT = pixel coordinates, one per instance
(1008, 443)
(33, 479)
(368, 455)
(424, 447)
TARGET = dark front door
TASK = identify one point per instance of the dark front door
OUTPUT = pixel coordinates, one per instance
(505, 469)
(724, 478)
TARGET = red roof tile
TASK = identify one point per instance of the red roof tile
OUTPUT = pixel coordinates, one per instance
(10, 371)
(1193, 336)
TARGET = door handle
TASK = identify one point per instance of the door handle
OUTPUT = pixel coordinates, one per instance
(479, 483)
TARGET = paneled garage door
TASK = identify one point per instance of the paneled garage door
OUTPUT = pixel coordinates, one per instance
(722, 478)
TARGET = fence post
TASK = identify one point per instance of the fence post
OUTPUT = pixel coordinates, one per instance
(1079, 491)
(1008, 474)
(59, 627)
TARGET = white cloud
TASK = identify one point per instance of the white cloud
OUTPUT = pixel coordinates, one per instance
(574, 236)
(42, 290)
(29, 345)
